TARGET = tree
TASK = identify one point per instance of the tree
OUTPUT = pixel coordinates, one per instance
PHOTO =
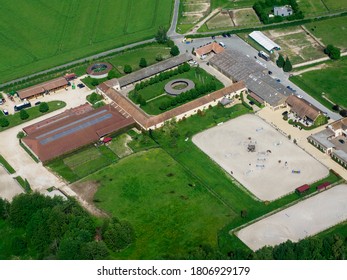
(112, 74)
(20, 135)
(4, 122)
(127, 69)
(159, 57)
(43, 107)
(170, 43)
(94, 251)
(119, 235)
(287, 65)
(244, 213)
(4, 209)
(174, 51)
(336, 107)
(143, 62)
(23, 114)
(333, 52)
(280, 61)
(161, 36)
(343, 113)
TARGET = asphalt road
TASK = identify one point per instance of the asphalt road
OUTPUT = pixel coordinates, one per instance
(172, 31)
(235, 43)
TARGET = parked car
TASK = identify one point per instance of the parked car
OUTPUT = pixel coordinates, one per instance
(278, 80)
(213, 37)
(299, 96)
(285, 113)
(5, 112)
(251, 102)
(342, 141)
(81, 85)
(37, 103)
(270, 72)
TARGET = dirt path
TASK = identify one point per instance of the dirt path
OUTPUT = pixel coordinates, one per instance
(317, 67)
(315, 61)
(202, 22)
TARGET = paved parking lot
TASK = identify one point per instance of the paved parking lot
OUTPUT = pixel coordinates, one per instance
(305, 218)
(9, 188)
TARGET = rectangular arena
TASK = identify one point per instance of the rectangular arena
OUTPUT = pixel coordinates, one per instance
(267, 163)
(306, 218)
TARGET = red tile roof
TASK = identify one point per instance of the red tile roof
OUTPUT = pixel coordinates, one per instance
(147, 121)
(214, 47)
(323, 186)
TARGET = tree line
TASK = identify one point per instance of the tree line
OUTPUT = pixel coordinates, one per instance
(53, 228)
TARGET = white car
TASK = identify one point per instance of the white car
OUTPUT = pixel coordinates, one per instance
(299, 96)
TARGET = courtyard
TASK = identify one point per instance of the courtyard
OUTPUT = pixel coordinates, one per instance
(264, 161)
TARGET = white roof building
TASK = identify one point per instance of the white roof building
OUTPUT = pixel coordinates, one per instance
(264, 41)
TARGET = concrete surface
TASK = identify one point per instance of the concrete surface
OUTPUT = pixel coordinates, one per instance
(305, 218)
(9, 187)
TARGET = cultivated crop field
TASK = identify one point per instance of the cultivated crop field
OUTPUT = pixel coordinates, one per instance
(40, 34)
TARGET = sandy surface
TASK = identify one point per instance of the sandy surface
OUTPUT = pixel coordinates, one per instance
(306, 218)
(8, 186)
(267, 172)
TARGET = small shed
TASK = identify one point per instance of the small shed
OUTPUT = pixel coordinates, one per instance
(106, 140)
(302, 189)
(323, 186)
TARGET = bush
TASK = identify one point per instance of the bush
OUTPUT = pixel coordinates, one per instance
(280, 61)
(20, 135)
(159, 57)
(332, 52)
(287, 67)
(174, 51)
(343, 113)
(4, 122)
(43, 108)
(143, 63)
(23, 114)
(127, 69)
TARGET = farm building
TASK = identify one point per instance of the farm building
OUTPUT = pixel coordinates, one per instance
(119, 83)
(73, 129)
(333, 141)
(147, 122)
(283, 11)
(42, 88)
(302, 108)
(264, 41)
(261, 86)
(70, 76)
(212, 47)
(323, 186)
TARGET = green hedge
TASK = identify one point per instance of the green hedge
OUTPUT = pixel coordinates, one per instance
(6, 165)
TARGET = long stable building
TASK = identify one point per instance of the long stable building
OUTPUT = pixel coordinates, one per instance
(42, 88)
(73, 129)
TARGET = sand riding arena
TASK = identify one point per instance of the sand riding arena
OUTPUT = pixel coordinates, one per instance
(267, 163)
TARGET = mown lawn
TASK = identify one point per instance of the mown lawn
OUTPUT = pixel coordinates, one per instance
(169, 209)
(40, 34)
(331, 31)
(152, 106)
(329, 82)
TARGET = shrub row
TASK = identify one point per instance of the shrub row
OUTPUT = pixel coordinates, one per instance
(199, 90)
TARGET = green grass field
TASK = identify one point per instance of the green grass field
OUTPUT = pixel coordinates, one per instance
(169, 209)
(157, 89)
(334, 5)
(331, 31)
(231, 4)
(40, 34)
(312, 7)
(331, 81)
